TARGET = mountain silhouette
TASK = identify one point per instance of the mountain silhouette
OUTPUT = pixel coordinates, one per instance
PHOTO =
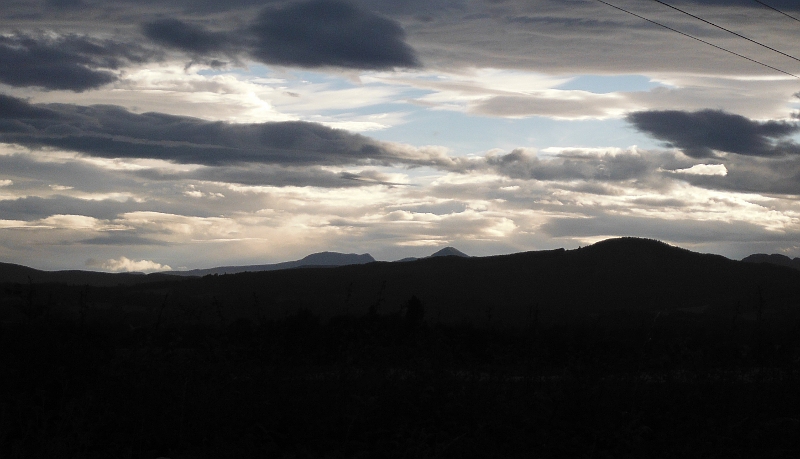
(775, 259)
(445, 252)
(613, 275)
(326, 259)
(449, 252)
(13, 273)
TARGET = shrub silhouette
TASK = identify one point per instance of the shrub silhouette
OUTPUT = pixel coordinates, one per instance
(415, 312)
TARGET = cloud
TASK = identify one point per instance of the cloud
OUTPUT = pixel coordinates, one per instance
(785, 5)
(554, 103)
(121, 238)
(112, 132)
(273, 175)
(704, 169)
(191, 38)
(127, 265)
(679, 230)
(67, 4)
(583, 37)
(330, 33)
(754, 175)
(316, 33)
(71, 62)
(703, 133)
(609, 166)
(34, 208)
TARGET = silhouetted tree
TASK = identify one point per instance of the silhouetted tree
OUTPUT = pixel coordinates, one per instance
(415, 312)
(373, 309)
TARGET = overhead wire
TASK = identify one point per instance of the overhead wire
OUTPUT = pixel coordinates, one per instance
(726, 30)
(699, 39)
(776, 9)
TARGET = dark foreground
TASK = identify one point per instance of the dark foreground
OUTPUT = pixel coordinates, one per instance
(610, 386)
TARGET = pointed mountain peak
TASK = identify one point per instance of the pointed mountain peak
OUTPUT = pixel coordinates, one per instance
(448, 252)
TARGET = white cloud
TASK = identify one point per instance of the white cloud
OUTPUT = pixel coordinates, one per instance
(5, 224)
(704, 169)
(182, 228)
(6, 183)
(77, 222)
(124, 264)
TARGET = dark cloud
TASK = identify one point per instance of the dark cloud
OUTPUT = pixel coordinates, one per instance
(573, 166)
(418, 8)
(113, 132)
(368, 177)
(569, 36)
(67, 4)
(699, 134)
(35, 208)
(552, 21)
(272, 175)
(121, 238)
(330, 33)
(309, 34)
(660, 202)
(592, 173)
(71, 62)
(190, 38)
(32, 174)
(12, 108)
(754, 175)
(791, 5)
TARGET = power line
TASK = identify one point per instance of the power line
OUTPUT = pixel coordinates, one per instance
(700, 40)
(775, 9)
(726, 30)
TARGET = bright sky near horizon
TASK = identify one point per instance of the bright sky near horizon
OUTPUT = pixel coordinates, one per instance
(171, 134)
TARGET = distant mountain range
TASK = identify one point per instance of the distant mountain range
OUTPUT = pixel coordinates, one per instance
(13, 273)
(508, 290)
(774, 259)
(322, 259)
(19, 274)
(445, 252)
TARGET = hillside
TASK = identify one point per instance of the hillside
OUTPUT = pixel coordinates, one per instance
(613, 275)
(631, 340)
(18, 274)
(775, 259)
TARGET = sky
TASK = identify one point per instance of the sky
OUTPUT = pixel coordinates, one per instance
(178, 134)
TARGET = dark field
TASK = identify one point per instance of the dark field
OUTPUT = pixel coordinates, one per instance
(682, 384)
